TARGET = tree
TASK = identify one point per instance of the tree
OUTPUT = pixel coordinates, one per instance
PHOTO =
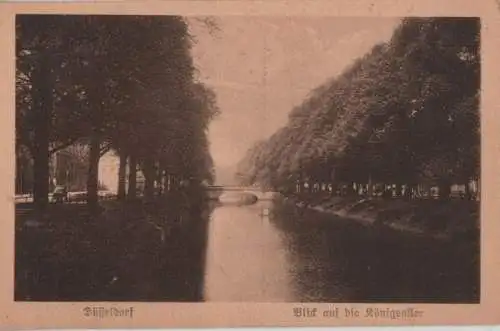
(124, 83)
(405, 112)
(41, 63)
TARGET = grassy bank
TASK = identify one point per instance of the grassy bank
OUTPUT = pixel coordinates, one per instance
(130, 251)
(448, 219)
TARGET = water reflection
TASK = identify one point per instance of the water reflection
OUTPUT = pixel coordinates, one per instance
(287, 255)
(246, 258)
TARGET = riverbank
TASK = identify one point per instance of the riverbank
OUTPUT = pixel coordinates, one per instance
(131, 251)
(448, 220)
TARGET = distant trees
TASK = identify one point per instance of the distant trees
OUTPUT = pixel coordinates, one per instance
(406, 115)
(123, 83)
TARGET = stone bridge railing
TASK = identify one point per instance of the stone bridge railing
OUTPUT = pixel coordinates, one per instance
(215, 191)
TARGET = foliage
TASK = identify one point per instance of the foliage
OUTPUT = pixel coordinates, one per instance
(115, 82)
(406, 112)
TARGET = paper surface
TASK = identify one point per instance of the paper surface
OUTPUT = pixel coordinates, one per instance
(262, 60)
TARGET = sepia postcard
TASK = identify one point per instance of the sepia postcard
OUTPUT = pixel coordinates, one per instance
(249, 163)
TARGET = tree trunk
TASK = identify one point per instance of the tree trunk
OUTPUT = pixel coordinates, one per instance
(175, 183)
(122, 174)
(399, 190)
(444, 189)
(370, 187)
(132, 178)
(468, 191)
(409, 189)
(93, 171)
(387, 192)
(428, 191)
(19, 189)
(161, 181)
(167, 182)
(149, 175)
(42, 100)
(351, 189)
(41, 177)
(478, 188)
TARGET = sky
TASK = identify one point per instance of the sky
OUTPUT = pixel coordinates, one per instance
(261, 67)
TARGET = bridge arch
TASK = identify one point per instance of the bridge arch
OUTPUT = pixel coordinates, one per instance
(215, 191)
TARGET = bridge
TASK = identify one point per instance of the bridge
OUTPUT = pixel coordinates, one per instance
(216, 190)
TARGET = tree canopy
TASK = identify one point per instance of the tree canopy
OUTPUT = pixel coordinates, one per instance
(406, 112)
(125, 83)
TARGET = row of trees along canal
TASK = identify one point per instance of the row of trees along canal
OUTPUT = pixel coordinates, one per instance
(121, 83)
(405, 116)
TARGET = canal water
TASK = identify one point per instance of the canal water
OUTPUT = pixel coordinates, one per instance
(270, 251)
(275, 252)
